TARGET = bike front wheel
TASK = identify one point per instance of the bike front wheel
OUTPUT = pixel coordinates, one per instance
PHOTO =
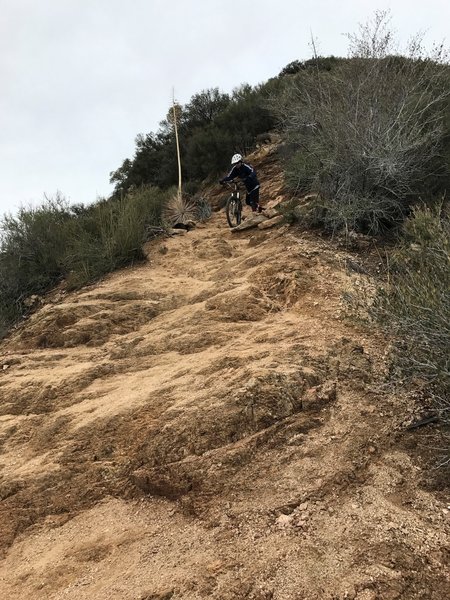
(234, 211)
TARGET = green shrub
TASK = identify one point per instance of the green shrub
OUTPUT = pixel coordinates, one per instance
(413, 308)
(309, 214)
(415, 305)
(111, 235)
(319, 63)
(371, 135)
(203, 210)
(41, 246)
(301, 170)
(32, 246)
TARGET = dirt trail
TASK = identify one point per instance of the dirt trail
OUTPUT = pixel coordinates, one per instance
(207, 425)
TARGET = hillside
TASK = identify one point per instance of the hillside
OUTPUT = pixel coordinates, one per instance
(209, 425)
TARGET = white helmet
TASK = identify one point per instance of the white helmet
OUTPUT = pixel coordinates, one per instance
(236, 158)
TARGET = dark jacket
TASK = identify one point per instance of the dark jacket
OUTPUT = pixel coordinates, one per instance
(245, 172)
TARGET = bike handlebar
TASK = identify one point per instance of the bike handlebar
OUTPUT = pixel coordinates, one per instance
(230, 184)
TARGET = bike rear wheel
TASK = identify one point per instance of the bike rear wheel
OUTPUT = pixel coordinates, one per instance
(234, 211)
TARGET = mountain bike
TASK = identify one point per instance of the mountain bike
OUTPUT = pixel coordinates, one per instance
(233, 207)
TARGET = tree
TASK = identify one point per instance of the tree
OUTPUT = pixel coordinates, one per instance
(203, 109)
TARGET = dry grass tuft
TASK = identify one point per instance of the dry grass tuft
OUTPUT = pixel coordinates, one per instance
(179, 209)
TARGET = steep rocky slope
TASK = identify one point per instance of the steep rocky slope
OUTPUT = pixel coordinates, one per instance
(209, 425)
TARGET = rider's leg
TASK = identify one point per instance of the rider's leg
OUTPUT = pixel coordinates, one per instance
(249, 202)
(252, 199)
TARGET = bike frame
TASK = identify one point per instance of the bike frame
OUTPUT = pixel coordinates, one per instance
(234, 189)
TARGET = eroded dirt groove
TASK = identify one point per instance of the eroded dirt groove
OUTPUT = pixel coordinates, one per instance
(207, 425)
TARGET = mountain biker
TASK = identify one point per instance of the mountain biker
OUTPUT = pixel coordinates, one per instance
(248, 175)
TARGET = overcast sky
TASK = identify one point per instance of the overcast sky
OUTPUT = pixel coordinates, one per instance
(81, 78)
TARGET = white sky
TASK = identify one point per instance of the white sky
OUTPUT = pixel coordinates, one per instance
(79, 79)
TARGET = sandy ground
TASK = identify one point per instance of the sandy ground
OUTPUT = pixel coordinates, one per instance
(209, 425)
